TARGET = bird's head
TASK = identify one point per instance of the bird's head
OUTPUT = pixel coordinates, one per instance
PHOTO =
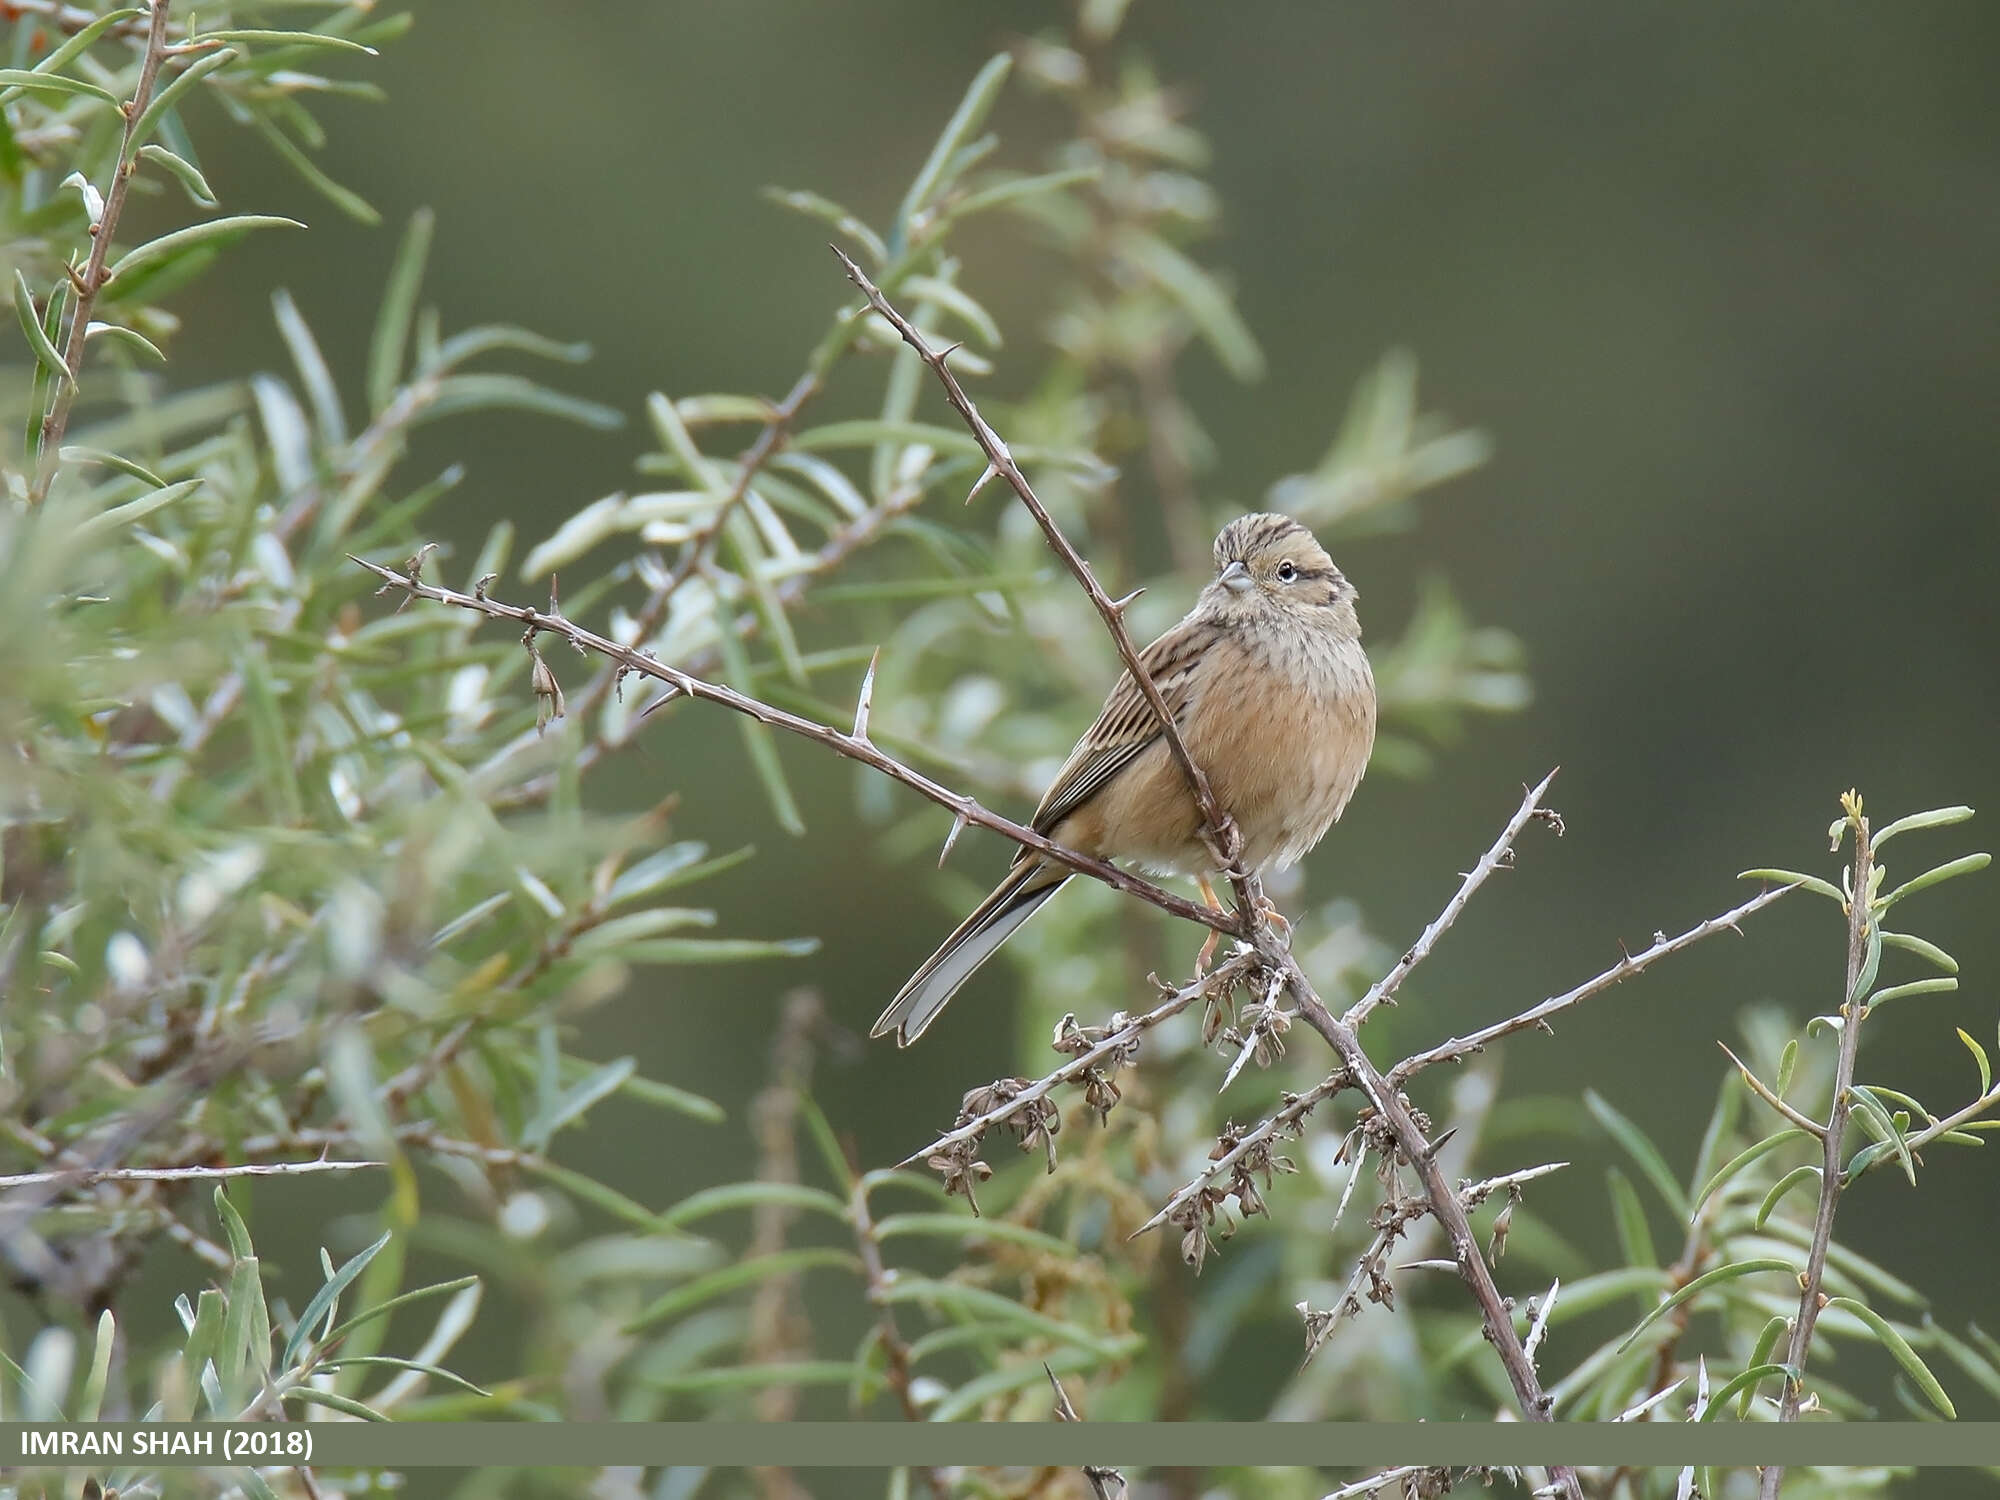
(1268, 563)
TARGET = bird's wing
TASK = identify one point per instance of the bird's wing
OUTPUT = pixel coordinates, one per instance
(1127, 724)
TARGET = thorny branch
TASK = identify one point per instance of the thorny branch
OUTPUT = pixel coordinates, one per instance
(92, 280)
(1860, 918)
(1500, 856)
(1226, 841)
(853, 747)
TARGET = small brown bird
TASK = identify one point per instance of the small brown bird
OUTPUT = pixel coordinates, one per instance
(1272, 692)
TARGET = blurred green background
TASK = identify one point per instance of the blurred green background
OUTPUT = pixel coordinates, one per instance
(1720, 282)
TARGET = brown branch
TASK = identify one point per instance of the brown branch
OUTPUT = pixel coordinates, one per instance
(1444, 1206)
(853, 747)
(1221, 830)
(1860, 918)
(56, 420)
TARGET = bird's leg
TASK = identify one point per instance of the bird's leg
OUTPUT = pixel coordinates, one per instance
(1278, 920)
(1214, 934)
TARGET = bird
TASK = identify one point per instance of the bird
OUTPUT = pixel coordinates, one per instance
(1274, 698)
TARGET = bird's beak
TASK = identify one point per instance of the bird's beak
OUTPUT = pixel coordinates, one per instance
(1236, 578)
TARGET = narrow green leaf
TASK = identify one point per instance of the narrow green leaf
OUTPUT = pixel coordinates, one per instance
(14, 79)
(194, 235)
(312, 367)
(131, 338)
(975, 1393)
(183, 171)
(827, 1143)
(839, 219)
(233, 1226)
(1910, 943)
(1744, 1383)
(92, 1403)
(1642, 1151)
(680, 1101)
(1899, 1347)
(503, 337)
(1965, 864)
(334, 1401)
(1744, 1158)
(384, 1308)
(164, 98)
(285, 39)
(1871, 964)
(1942, 984)
(485, 391)
(1635, 1237)
(1940, 817)
(1767, 1340)
(955, 300)
(968, 1230)
(1721, 1274)
(326, 1298)
(1788, 1062)
(711, 1201)
(1876, 1120)
(38, 338)
(757, 738)
(390, 1361)
(965, 122)
(1015, 189)
(293, 155)
(992, 1307)
(399, 301)
(576, 1100)
(1811, 883)
(104, 522)
(1978, 1056)
(755, 1377)
(1783, 1186)
(85, 37)
(732, 1278)
(598, 1194)
(1210, 308)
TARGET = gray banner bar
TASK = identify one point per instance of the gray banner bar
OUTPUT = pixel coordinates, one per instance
(105, 1445)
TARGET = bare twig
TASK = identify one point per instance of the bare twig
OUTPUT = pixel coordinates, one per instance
(1113, 1046)
(1000, 462)
(87, 285)
(895, 1348)
(1296, 1108)
(864, 751)
(1459, 1048)
(86, 1177)
(1383, 992)
(1860, 918)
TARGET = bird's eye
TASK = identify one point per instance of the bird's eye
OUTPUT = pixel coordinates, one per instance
(1287, 571)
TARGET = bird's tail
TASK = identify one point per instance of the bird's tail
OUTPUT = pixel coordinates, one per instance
(975, 940)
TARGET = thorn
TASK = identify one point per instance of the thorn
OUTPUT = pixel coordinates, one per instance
(1118, 605)
(986, 476)
(1431, 1151)
(957, 827)
(662, 701)
(866, 701)
(485, 582)
(948, 351)
(1064, 1411)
